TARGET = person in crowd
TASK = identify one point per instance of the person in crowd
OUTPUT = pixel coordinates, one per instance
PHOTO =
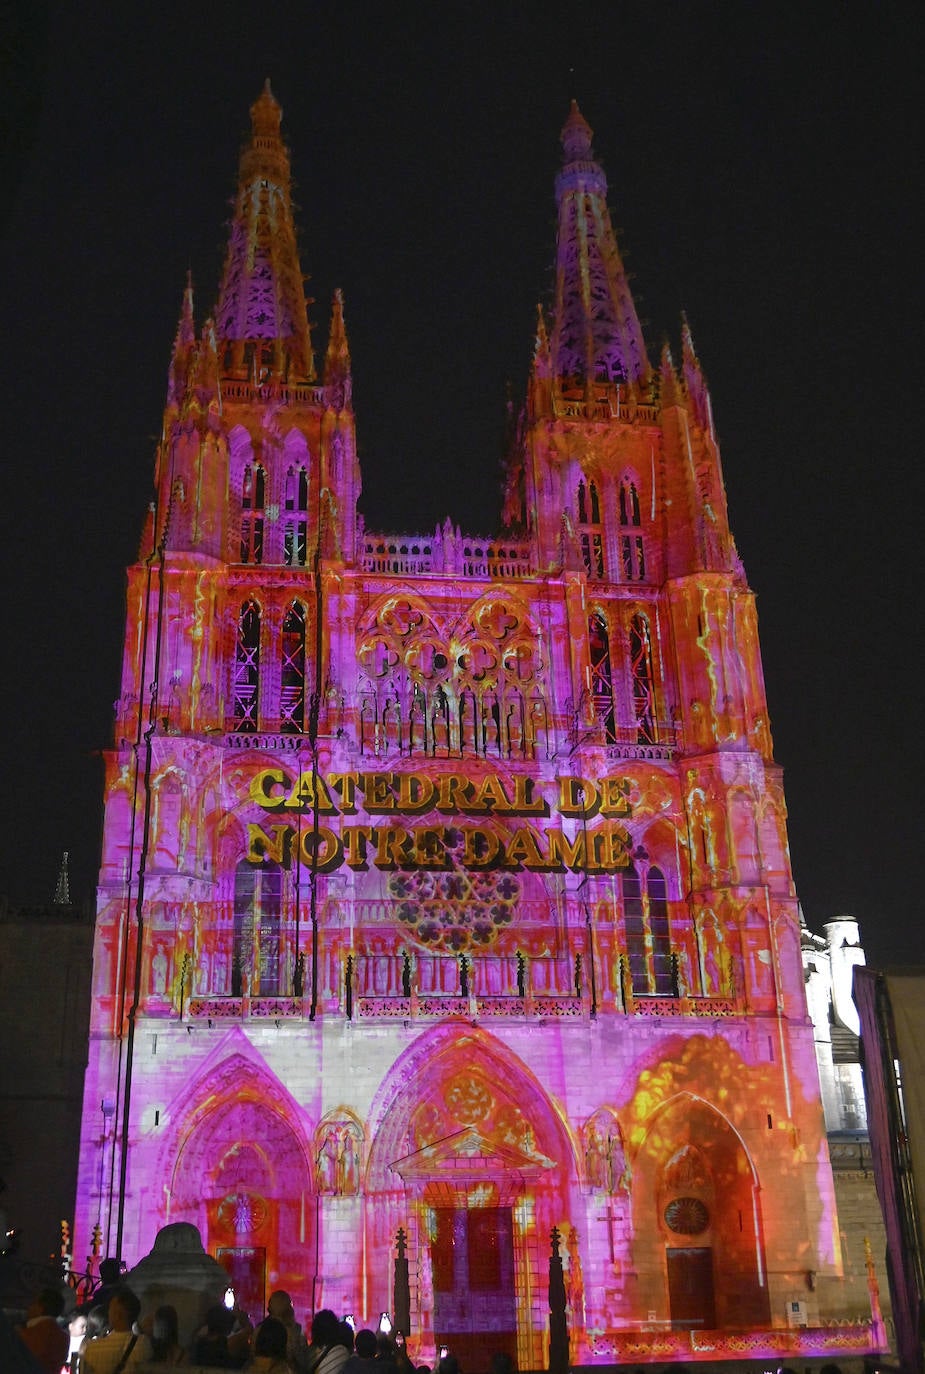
(42, 1334)
(385, 1354)
(218, 1343)
(400, 1357)
(97, 1325)
(76, 1329)
(110, 1280)
(327, 1353)
(270, 1349)
(163, 1329)
(501, 1363)
(280, 1308)
(363, 1360)
(123, 1348)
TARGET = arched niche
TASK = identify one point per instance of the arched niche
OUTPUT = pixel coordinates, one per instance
(698, 1235)
(241, 1171)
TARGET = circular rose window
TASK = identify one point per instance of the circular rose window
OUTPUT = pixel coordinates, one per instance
(687, 1216)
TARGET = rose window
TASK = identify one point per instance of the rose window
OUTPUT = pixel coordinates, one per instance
(457, 909)
(687, 1216)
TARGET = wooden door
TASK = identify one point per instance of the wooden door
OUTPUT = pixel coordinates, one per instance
(475, 1313)
(690, 1288)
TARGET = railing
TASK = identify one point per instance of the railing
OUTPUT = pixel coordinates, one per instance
(708, 1007)
(288, 743)
(234, 390)
(462, 556)
(656, 1342)
(628, 746)
(607, 402)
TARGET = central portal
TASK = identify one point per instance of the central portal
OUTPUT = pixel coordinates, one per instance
(475, 1313)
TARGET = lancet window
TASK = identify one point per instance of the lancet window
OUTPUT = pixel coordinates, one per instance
(295, 533)
(253, 500)
(256, 954)
(647, 932)
(602, 676)
(297, 489)
(295, 543)
(632, 545)
(643, 683)
(246, 685)
(292, 677)
(590, 529)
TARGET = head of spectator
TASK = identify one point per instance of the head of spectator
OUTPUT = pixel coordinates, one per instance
(325, 1328)
(280, 1307)
(367, 1346)
(271, 1339)
(165, 1331)
(97, 1320)
(124, 1308)
(48, 1302)
(110, 1270)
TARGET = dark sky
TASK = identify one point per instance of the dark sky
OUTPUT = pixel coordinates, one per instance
(763, 177)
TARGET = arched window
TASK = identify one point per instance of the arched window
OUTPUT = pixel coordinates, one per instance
(590, 529)
(643, 685)
(632, 547)
(253, 498)
(292, 678)
(295, 533)
(246, 686)
(648, 936)
(297, 489)
(602, 676)
(255, 961)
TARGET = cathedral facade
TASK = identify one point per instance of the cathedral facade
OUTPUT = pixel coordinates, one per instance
(446, 925)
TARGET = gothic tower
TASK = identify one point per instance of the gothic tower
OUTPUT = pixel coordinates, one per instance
(445, 886)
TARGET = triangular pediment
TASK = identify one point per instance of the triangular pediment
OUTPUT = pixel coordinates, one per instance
(467, 1154)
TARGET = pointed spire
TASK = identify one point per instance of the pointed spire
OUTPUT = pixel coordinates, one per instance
(670, 391)
(203, 389)
(62, 887)
(694, 380)
(597, 335)
(183, 346)
(337, 357)
(542, 363)
(261, 316)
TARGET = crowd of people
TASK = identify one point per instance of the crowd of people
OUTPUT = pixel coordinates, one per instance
(112, 1337)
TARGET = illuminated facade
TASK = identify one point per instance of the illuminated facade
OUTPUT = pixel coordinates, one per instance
(448, 876)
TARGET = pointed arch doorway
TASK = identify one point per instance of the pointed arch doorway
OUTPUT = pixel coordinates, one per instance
(470, 1195)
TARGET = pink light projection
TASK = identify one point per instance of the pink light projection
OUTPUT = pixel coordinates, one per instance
(445, 898)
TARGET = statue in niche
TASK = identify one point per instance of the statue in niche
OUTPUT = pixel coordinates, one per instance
(685, 1170)
(595, 1157)
(575, 1292)
(221, 972)
(202, 973)
(349, 1165)
(159, 966)
(328, 1163)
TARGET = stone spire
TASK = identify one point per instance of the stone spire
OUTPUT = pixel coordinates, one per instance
(596, 335)
(261, 320)
(183, 346)
(337, 357)
(694, 380)
(62, 887)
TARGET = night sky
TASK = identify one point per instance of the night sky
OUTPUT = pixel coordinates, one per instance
(763, 177)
